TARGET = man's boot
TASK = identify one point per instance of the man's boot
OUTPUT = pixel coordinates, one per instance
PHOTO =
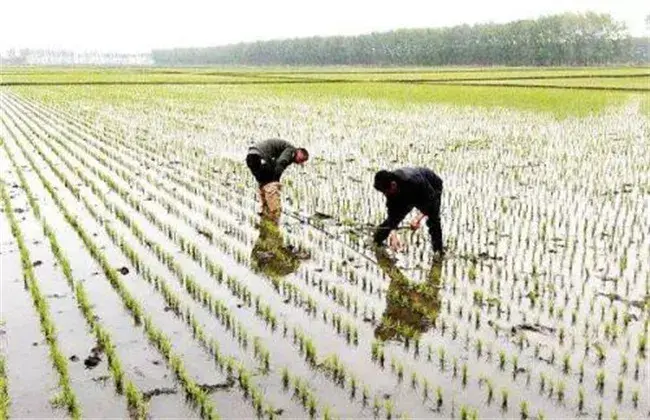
(273, 202)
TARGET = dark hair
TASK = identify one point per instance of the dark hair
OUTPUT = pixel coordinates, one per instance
(383, 179)
(303, 151)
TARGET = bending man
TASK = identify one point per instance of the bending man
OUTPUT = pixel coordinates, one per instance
(267, 160)
(405, 189)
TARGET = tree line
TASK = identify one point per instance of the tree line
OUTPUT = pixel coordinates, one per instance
(565, 39)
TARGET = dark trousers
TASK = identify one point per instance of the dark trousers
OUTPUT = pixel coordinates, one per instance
(433, 222)
(263, 172)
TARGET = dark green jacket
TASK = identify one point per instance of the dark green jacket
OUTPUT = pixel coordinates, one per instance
(276, 152)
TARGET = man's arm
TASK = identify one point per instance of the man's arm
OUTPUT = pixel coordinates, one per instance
(396, 213)
(284, 160)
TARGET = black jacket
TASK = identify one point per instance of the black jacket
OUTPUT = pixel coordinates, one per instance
(276, 152)
(419, 188)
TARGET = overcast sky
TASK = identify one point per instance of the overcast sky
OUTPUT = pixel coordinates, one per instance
(140, 25)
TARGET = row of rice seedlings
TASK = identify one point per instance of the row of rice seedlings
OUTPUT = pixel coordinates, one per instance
(5, 400)
(348, 330)
(441, 360)
(310, 354)
(135, 400)
(212, 346)
(172, 300)
(250, 390)
(67, 397)
(566, 361)
(189, 203)
(350, 333)
(194, 392)
(303, 394)
(354, 333)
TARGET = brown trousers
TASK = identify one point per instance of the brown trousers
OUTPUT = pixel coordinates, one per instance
(271, 201)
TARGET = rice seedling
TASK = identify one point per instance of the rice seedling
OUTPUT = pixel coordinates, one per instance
(581, 371)
(5, 401)
(365, 395)
(441, 358)
(464, 375)
(376, 405)
(327, 415)
(523, 410)
(581, 399)
(353, 387)
(643, 344)
(600, 380)
(635, 398)
(388, 408)
(566, 364)
(560, 391)
(490, 391)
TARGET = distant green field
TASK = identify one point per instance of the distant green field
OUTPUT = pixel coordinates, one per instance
(327, 74)
(591, 89)
(640, 83)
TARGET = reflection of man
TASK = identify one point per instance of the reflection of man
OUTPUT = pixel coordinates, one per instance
(411, 308)
(270, 255)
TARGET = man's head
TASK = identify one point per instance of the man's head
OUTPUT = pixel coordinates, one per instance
(386, 182)
(301, 156)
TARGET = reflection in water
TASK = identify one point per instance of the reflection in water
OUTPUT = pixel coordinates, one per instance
(271, 256)
(411, 308)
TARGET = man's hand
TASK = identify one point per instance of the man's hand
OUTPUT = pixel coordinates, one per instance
(394, 242)
(417, 221)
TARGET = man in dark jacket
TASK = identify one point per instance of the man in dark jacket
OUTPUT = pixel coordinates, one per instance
(405, 189)
(267, 160)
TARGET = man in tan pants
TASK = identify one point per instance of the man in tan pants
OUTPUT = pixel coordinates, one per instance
(267, 160)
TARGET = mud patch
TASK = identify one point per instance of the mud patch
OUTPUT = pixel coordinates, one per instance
(209, 388)
(147, 395)
(640, 304)
(481, 256)
(94, 358)
(538, 328)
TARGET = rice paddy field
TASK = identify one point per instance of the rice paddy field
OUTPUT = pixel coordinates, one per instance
(137, 281)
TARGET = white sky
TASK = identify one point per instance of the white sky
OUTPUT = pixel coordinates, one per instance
(138, 26)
